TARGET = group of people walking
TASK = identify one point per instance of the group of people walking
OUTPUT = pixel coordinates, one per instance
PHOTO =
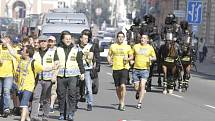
(38, 71)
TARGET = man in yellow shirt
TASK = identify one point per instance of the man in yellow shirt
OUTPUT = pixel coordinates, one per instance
(143, 55)
(6, 77)
(119, 56)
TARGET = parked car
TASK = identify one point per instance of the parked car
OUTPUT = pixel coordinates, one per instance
(105, 44)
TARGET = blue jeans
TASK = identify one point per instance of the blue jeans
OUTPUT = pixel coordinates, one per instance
(6, 85)
(139, 74)
(88, 81)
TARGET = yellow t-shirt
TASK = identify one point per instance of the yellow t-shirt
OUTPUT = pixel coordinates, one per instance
(7, 62)
(118, 53)
(142, 54)
(27, 82)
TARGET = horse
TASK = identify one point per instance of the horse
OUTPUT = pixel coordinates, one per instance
(186, 58)
(169, 56)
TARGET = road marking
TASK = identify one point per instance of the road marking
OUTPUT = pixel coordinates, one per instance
(177, 95)
(109, 74)
(210, 106)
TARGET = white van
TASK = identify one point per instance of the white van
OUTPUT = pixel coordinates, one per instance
(56, 29)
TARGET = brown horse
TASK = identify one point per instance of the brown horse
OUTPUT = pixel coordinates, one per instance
(169, 54)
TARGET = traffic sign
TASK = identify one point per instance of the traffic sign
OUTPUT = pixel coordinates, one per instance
(194, 12)
(180, 13)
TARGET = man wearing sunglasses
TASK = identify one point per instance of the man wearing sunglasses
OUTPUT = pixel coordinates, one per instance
(45, 80)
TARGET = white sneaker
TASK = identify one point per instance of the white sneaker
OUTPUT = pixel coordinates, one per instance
(170, 91)
(165, 92)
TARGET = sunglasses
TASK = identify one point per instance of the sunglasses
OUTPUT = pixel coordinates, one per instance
(42, 41)
(50, 40)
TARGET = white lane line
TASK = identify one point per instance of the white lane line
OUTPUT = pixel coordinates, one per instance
(110, 74)
(177, 95)
(210, 106)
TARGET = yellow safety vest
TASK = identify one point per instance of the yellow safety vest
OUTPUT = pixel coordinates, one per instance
(47, 62)
(69, 67)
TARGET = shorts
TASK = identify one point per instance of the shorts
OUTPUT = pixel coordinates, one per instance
(24, 96)
(120, 77)
(140, 74)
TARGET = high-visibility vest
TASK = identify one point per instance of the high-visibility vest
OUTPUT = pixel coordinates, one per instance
(169, 59)
(48, 62)
(186, 58)
(88, 64)
(69, 67)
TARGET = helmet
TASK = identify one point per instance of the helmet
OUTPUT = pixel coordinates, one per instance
(184, 24)
(170, 19)
(136, 21)
(148, 18)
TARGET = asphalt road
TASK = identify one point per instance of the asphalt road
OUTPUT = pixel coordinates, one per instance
(197, 104)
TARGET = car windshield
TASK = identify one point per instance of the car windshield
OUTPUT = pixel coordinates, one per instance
(5, 21)
(105, 45)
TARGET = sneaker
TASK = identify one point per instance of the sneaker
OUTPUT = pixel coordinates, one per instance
(6, 113)
(70, 117)
(36, 119)
(121, 108)
(138, 105)
(165, 91)
(170, 91)
(16, 111)
(51, 110)
(61, 117)
(137, 95)
(45, 118)
(89, 107)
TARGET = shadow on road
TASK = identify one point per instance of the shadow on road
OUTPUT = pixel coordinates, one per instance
(105, 107)
(203, 76)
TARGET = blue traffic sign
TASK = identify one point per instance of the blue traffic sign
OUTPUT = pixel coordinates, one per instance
(194, 12)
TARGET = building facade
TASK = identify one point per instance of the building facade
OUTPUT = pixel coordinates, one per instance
(21, 8)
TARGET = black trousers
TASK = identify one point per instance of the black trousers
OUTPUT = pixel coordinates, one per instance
(67, 92)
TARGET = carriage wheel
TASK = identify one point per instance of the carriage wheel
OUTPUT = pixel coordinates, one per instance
(159, 82)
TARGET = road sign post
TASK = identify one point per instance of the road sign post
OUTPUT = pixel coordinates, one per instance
(194, 11)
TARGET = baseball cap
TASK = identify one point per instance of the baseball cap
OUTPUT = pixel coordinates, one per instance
(43, 37)
(52, 38)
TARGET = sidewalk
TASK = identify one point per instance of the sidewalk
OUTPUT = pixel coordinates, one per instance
(207, 67)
